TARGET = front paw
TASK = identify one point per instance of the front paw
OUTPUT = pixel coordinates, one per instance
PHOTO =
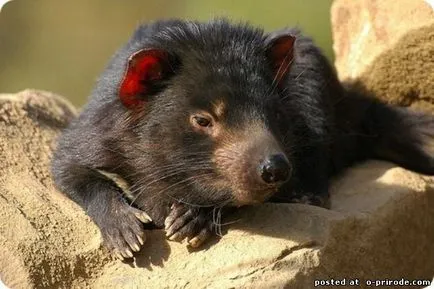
(195, 224)
(122, 229)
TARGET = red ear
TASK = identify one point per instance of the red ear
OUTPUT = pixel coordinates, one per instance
(280, 52)
(145, 68)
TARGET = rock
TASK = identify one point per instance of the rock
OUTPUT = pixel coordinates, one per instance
(380, 226)
(386, 48)
(45, 240)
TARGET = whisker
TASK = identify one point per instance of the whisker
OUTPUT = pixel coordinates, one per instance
(135, 189)
(274, 83)
(171, 186)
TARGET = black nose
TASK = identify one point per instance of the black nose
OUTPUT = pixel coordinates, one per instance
(275, 169)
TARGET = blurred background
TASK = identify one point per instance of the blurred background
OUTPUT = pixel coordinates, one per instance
(62, 46)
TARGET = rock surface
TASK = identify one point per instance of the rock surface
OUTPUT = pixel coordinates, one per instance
(380, 226)
(39, 246)
(389, 47)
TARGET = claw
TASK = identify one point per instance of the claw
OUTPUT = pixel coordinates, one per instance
(119, 256)
(195, 242)
(174, 237)
(166, 224)
(200, 238)
(136, 248)
(140, 239)
(143, 217)
(128, 254)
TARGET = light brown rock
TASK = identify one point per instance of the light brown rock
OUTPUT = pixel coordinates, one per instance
(380, 226)
(363, 29)
(387, 47)
(45, 239)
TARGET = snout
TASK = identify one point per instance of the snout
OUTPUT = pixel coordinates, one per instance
(253, 168)
(275, 169)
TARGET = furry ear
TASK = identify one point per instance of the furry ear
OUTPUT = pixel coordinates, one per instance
(146, 70)
(280, 52)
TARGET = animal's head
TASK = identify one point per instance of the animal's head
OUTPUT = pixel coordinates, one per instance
(204, 101)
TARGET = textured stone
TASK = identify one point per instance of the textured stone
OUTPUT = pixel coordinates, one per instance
(380, 226)
(387, 48)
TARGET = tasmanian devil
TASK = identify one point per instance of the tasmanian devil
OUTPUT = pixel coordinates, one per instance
(195, 117)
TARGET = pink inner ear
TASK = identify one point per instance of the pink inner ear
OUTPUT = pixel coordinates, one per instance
(144, 67)
(281, 53)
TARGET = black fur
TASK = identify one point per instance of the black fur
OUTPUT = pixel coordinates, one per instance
(322, 127)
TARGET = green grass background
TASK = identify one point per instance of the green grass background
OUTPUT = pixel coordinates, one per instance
(63, 45)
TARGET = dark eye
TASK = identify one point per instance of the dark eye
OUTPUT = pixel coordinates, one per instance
(202, 121)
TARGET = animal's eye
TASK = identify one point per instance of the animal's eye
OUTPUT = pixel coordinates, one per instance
(202, 121)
